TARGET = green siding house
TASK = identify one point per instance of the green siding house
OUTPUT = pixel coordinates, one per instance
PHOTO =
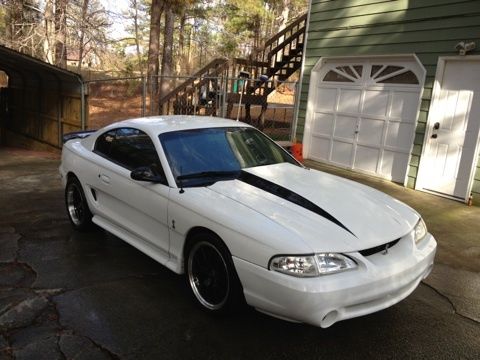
(392, 89)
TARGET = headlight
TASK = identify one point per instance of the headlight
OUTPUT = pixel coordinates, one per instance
(301, 266)
(312, 265)
(419, 231)
(333, 263)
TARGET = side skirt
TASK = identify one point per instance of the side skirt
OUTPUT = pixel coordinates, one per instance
(145, 247)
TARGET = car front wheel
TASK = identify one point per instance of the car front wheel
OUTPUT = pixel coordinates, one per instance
(77, 207)
(211, 275)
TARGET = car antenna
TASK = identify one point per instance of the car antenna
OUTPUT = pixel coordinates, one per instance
(179, 178)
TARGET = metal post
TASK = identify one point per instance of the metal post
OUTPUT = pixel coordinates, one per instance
(224, 96)
(82, 104)
(296, 104)
(195, 99)
(240, 101)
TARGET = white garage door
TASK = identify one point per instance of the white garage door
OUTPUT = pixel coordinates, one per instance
(363, 114)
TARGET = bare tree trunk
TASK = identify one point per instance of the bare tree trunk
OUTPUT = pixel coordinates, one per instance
(285, 14)
(154, 53)
(188, 65)
(182, 59)
(83, 26)
(49, 32)
(14, 19)
(61, 33)
(134, 4)
(283, 23)
(256, 36)
(167, 56)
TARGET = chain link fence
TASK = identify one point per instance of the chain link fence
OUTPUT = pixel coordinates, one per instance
(265, 104)
(112, 100)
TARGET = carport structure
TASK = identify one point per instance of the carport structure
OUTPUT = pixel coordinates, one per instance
(41, 102)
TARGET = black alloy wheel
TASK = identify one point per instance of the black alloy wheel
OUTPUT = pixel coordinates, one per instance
(211, 275)
(77, 206)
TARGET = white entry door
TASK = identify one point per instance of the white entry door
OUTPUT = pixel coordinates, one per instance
(453, 127)
(362, 114)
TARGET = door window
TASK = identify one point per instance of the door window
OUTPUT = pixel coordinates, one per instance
(130, 148)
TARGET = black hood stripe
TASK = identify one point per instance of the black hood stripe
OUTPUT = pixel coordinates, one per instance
(288, 195)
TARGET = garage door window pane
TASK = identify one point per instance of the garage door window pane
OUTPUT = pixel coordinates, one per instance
(392, 74)
(375, 70)
(347, 70)
(388, 70)
(334, 76)
(405, 78)
(359, 70)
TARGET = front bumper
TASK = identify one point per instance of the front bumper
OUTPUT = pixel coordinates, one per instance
(380, 280)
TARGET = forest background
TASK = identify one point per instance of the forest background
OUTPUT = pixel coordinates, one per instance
(105, 38)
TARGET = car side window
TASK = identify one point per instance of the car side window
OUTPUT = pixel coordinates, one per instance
(130, 148)
(104, 143)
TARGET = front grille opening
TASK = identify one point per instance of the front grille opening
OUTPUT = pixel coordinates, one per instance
(379, 248)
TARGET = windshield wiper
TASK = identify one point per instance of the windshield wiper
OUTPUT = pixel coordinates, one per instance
(209, 174)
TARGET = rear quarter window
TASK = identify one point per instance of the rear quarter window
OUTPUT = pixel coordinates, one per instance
(104, 142)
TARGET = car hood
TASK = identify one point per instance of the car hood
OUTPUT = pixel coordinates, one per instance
(328, 213)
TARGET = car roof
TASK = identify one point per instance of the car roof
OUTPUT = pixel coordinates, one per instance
(155, 125)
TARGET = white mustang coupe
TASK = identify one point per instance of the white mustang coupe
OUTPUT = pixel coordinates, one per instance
(221, 202)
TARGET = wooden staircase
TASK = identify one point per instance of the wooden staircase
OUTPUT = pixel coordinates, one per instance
(218, 82)
(184, 99)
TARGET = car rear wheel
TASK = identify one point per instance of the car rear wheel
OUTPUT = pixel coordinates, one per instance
(211, 275)
(77, 206)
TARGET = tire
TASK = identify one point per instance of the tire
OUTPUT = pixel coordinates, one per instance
(77, 206)
(211, 275)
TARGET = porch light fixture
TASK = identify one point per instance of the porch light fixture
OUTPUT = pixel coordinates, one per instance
(463, 47)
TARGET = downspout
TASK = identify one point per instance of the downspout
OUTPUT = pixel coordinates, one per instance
(293, 135)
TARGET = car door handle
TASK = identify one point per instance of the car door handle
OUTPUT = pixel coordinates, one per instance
(104, 178)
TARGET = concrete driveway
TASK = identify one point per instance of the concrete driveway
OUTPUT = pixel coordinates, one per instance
(91, 296)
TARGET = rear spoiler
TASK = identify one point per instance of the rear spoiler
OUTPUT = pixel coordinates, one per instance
(77, 135)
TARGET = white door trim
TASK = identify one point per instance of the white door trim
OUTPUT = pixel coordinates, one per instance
(315, 78)
(421, 176)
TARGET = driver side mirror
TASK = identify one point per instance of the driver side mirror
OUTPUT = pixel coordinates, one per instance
(145, 173)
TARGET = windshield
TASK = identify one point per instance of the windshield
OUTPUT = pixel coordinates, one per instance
(202, 156)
